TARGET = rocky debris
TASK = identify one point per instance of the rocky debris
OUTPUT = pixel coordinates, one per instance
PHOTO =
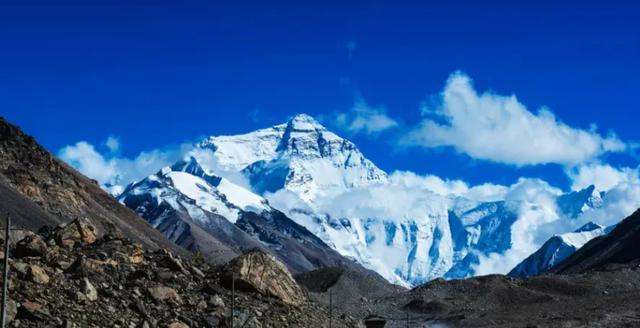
(98, 285)
(261, 272)
(76, 231)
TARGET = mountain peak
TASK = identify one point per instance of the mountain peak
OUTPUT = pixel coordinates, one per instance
(575, 203)
(590, 226)
(304, 122)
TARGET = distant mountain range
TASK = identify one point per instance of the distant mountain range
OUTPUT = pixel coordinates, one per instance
(228, 196)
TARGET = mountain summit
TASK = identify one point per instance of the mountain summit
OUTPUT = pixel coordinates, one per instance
(301, 156)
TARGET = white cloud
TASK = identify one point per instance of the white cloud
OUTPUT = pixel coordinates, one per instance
(210, 163)
(499, 128)
(603, 176)
(618, 202)
(362, 118)
(487, 192)
(539, 218)
(535, 202)
(351, 47)
(432, 183)
(113, 143)
(84, 157)
(112, 169)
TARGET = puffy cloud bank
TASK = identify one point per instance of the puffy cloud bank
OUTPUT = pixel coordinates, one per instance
(110, 168)
(603, 176)
(499, 128)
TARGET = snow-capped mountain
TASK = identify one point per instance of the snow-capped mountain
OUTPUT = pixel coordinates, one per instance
(207, 213)
(576, 203)
(556, 249)
(323, 183)
(301, 156)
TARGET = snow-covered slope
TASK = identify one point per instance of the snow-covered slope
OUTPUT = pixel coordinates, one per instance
(556, 249)
(185, 185)
(204, 212)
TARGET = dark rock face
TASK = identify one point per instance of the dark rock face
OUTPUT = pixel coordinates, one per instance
(292, 243)
(113, 282)
(218, 241)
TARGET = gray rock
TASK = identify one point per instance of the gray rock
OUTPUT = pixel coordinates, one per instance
(90, 292)
(162, 293)
(37, 274)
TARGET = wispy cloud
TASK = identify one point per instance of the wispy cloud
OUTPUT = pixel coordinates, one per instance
(113, 143)
(364, 119)
(255, 115)
(351, 47)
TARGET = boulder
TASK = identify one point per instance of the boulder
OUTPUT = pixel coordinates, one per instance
(30, 246)
(76, 231)
(84, 266)
(261, 272)
(12, 310)
(162, 293)
(177, 325)
(33, 311)
(20, 267)
(216, 301)
(213, 321)
(89, 291)
(37, 274)
(173, 263)
(137, 256)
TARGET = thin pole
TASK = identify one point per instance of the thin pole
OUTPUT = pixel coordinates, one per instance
(330, 307)
(5, 276)
(233, 297)
(407, 319)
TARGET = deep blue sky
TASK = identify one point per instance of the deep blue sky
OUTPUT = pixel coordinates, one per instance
(157, 73)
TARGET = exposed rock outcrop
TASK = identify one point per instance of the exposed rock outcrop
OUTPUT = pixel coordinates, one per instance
(261, 272)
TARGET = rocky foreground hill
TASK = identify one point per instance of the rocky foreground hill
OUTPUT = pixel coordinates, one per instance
(73, 277)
